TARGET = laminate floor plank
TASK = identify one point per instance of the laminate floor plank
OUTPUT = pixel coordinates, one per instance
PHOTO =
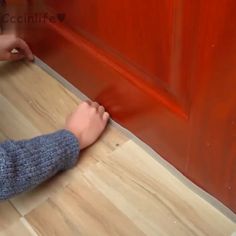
(116, 188)
(11, 223)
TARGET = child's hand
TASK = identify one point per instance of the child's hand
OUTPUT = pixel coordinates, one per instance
(13, 49)
(87, 123)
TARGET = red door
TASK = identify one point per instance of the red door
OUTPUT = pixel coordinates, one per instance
(165, 69)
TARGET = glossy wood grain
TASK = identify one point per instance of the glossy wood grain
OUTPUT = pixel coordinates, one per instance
(212, 153)
(116, 188)
(164, 69)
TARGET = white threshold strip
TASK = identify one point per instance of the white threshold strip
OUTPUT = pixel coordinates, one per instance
(203, 194)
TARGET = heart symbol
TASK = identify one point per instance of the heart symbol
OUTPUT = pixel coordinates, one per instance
(61, 16)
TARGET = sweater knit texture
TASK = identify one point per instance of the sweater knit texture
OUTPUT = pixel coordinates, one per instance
(26, 164)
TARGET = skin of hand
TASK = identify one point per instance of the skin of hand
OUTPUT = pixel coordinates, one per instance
(87, 123)
(13, 48)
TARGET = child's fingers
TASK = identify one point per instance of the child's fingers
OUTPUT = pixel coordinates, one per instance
(106, 116)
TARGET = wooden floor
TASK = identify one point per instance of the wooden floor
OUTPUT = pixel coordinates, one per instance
(115, 189)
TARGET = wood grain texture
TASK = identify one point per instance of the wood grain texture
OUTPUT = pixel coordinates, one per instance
(116, 188)
(126, 195)
(164, 69)
(11, 222)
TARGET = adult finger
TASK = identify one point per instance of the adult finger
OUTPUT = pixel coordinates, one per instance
(15, 56)
(22, 46)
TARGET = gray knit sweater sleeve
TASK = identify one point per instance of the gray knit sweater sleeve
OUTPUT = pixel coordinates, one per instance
(27, 163)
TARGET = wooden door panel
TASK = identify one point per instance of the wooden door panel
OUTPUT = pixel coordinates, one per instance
(121, 33)
(164, 69)
(112, 86)
(146, 41)
(212, 153)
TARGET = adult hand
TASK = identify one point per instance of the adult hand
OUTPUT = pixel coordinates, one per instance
(13, 49)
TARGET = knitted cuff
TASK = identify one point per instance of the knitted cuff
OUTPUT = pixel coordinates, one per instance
(67, 142)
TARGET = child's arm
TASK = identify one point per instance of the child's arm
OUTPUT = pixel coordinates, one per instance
(25, 164)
